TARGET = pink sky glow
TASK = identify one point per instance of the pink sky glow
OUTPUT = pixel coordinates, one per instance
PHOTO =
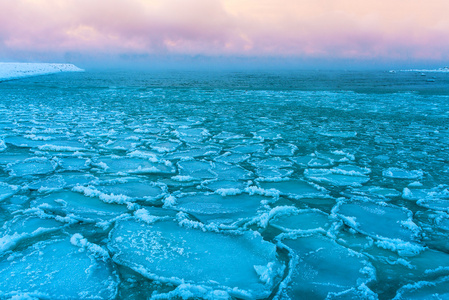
(356, 29)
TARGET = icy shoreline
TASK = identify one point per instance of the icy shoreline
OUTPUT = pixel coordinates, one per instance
(10, 71)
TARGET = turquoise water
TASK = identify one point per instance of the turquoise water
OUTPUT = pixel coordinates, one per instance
(271, 185)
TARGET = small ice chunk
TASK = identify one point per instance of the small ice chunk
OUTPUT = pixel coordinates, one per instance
(398, 173)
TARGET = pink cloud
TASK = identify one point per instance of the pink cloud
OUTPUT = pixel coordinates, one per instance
(303, 28)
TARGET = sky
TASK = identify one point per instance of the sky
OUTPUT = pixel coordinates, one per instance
(334, 32)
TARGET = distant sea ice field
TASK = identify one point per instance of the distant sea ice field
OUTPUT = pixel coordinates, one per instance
(223, 185)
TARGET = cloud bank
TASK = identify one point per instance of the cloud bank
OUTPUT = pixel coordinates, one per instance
(329, 29)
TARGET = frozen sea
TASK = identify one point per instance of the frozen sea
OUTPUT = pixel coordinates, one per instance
(225, 185)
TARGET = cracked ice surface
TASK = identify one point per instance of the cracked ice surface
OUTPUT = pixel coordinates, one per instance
(161, 186)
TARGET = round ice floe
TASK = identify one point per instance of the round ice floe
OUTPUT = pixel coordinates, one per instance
(122, 144)
(193, 153)
(75, 178)
(374, 193)
(268, 174)
(127, 165)
(379, 220)
(73, 163)
(32, 166)
(397, 173)
(302, 160)
(241, 264)
(7, 190)
(24, 227)
(323, 267)
(23, 142)
(437, 193)
(52, 183)
(11, 158)
(217, 209)
(435, 204)
(122, 192)
(232, 158)
(57, 270)
(283, 150)
(228, 136)
(319, 163)
(231, 172)
(438, 290)
(79, 206)
(273, 162)
(248, 149)
(338, 134)
(295, 189)
(337, 176)
(196, 169)
(336, 156)
(267, 135)
(62, 146)
(301, 221)
(220, 185)
(165, 146)
(2, 145)
(191, 135)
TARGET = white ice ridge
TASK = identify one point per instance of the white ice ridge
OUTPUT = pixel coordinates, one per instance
(19, 70)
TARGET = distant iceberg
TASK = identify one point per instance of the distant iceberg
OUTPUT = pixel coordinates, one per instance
(10, 71)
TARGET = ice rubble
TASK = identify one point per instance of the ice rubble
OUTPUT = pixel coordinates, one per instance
(168, 252)
(19, 70)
